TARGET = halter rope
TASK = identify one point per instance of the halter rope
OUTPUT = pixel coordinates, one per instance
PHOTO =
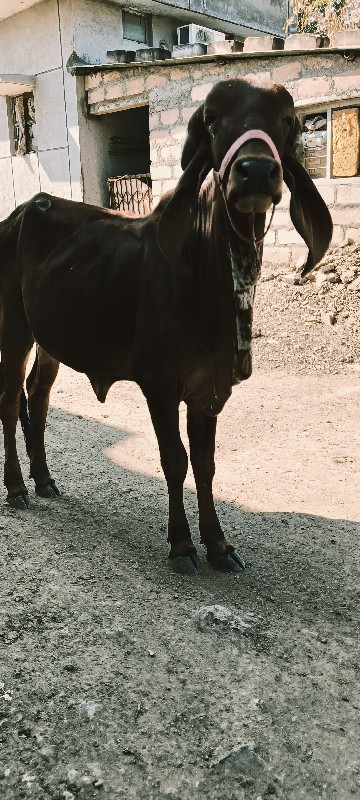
(255, 133)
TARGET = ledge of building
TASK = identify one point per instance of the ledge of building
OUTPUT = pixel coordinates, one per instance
(12, 85)
(350, 53)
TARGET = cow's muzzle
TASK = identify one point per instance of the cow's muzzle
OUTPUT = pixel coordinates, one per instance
(254, 184)
(259, 185)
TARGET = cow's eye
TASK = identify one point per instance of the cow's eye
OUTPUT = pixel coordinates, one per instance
(210, 120)
(289, 121)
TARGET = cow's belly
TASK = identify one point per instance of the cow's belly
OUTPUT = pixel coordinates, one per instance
(90, 330)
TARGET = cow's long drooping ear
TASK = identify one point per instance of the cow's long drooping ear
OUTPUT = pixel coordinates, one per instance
(178, 217)
(308, 211)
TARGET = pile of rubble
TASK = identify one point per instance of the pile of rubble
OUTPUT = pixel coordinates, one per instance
(340, 265)
(310, 324)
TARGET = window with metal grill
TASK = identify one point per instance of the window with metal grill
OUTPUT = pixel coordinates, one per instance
(331, 140)
(22, 116)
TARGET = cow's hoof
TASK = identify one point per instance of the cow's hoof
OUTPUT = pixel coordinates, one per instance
(228, 562)
(19, 501)
(48, 491)
(186, 565)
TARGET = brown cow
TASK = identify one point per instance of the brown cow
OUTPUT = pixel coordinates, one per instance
(164, 300)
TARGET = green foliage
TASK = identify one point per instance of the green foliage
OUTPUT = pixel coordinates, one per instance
(314, 16)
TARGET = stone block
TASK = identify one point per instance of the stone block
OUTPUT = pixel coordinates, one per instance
(169, 117)
(353, 233)
(120, 56)
(113, 92)
(170, 154)
(286, 72)
(152, 54)
(346, 38)
(313, 87)
(200, 92)
(348, 82)
(281, 219)
(187, 113)
(343, 215)
(92, 81)
(258, 78)
(162, 172)
(135, 86)
(113, 76)
(224, 47)
(189, 50)
(288, 237)
(305, 41)
(154, 120)
(98, 95)
(159, 137)
(276, 255)
(327, 194)
(168, 185)
(298, 252)
(349, 194)
(269, 238)
(338, 236)
(155, 81)
(177, 169)
(262, 44)
(180, 73)
(179, 133)
(156, 189)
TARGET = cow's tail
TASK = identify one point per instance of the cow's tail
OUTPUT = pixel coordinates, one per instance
(23, 414)
(25, 424)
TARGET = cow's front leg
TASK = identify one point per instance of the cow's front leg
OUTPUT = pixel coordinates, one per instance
(220, 553)
(165, 418)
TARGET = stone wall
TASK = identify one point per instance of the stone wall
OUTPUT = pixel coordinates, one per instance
(174, 91)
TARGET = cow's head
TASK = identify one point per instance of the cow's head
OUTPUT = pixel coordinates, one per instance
(248, 135)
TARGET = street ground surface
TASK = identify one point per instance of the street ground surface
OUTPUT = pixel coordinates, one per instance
(120, 679)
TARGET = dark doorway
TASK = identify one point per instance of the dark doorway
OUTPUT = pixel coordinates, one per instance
(129, 160)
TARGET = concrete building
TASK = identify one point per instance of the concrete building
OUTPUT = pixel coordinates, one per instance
(40, 132)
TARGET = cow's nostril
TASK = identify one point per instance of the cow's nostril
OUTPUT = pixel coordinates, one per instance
(242, 169)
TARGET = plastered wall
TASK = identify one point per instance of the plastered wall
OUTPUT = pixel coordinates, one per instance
(37, 42)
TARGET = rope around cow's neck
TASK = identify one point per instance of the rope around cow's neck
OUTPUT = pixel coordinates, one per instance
(254, 241)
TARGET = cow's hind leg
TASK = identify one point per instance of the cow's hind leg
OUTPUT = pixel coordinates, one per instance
(15, 348)
(201, 431)
(39, 383)
(165, 418)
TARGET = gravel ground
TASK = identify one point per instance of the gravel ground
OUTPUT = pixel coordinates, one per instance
(313, 327)
(120, 679)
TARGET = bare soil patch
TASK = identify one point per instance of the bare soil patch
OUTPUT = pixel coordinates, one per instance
(118, 678)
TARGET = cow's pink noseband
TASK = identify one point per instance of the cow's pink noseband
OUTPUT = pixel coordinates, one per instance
(255, 133)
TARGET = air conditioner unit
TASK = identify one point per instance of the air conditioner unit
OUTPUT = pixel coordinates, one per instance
(192, 34)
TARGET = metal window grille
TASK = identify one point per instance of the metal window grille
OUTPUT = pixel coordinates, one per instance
(131, 193)
(24, 124)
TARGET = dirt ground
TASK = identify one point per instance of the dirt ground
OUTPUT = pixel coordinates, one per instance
(121, 679)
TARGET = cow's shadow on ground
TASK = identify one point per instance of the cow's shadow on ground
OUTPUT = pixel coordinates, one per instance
(293, 560)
